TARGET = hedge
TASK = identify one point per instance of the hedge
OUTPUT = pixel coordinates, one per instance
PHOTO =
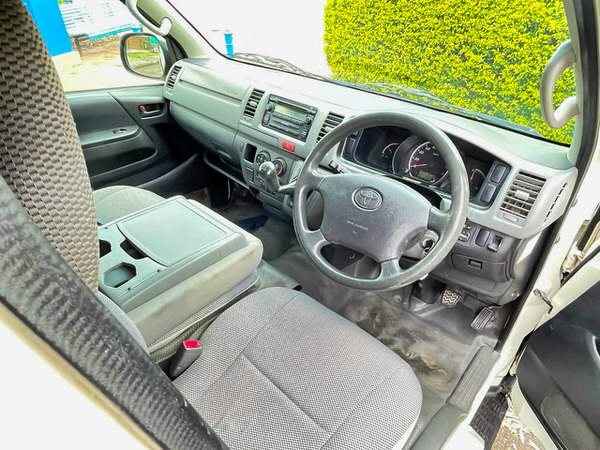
(483, 55)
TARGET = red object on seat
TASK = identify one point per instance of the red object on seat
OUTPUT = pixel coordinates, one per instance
(192, 343)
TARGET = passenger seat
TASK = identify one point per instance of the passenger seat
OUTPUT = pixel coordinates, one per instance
(114, 202)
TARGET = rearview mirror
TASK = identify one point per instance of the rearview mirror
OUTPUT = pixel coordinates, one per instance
(145, 55)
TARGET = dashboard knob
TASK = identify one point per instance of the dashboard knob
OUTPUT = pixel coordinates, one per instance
(261, 158)
(280, 166)
(308, 120)
(270, 106)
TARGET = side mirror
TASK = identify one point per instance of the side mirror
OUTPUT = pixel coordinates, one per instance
(145, 55)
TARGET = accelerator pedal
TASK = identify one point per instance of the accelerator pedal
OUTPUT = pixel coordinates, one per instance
(482, 319)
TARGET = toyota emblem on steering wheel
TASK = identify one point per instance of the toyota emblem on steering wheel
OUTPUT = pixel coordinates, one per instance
(367, 198)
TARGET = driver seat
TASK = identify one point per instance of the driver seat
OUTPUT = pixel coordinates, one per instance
(279, 370)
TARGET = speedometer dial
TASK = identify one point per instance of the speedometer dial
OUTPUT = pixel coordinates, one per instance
(426, 164)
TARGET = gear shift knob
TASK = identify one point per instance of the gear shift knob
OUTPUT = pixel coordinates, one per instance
(268, 174)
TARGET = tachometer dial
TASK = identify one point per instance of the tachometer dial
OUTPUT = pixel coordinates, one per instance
(387, 154)
(426, 164)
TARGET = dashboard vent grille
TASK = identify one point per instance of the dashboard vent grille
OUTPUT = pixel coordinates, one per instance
(253, 102)
(332, 121)
(522, 194)
(556, 199)
(173, 77)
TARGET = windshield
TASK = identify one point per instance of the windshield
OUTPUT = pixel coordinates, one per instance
(480, 59)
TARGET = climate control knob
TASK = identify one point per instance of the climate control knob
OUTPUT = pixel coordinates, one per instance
(261, 158)
(280, 166)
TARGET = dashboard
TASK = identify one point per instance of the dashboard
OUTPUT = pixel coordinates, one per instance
(243, 115)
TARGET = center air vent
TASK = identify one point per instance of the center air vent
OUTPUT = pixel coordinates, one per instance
(253, 102)
(332, 121)
(522, 194)
(173, 77)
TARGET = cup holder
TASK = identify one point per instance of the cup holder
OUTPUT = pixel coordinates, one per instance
(131, 250)
(119, 275)
(105, 248)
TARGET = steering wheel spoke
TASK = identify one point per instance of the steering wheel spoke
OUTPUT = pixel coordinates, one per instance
(390, 269)
(438, 220)
(314, 179)
(315, 240)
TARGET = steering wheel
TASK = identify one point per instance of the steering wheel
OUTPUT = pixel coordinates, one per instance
(378, 216)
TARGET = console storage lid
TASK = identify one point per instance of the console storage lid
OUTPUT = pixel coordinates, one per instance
(172, 232)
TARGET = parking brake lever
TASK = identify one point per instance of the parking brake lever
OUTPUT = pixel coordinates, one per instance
(268, 174)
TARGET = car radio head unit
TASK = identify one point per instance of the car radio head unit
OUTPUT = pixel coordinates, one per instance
(289, 117)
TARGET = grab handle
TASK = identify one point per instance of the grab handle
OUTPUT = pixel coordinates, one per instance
(563, 58)
(165, 23)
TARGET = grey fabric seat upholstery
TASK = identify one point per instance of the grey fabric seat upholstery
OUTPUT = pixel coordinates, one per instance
(114, 202)
(281, 371)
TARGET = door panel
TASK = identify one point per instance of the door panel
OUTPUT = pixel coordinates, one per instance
(123, 144)
(559, 373)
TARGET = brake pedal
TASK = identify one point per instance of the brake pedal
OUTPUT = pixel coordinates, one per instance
(450, 298)
(483, 318)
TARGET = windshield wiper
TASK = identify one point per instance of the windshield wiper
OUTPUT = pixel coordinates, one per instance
(420, 96)
(277, 63)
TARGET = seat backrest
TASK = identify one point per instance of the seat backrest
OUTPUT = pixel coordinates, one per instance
(40, 155)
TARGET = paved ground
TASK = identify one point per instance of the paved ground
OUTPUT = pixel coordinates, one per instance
(514, 435)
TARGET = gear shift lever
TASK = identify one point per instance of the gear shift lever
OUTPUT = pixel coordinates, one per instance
(268, 174)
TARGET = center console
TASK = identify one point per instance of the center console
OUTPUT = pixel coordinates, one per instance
(165, 263)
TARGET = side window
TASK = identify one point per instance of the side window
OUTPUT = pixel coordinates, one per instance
(83, 38)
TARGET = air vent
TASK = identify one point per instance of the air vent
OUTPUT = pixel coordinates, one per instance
(522, 194)
(556, 199)
(173, 77)
(332, 121)
(253, 102)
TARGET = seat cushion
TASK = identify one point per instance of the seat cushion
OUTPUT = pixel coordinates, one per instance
(114, 202)
(279, 370)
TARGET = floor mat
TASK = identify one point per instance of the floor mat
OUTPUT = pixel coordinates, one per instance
(252, 224)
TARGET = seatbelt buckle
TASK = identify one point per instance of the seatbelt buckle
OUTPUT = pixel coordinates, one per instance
(186, 354)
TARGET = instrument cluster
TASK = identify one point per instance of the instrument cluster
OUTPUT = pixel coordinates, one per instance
(410, 157)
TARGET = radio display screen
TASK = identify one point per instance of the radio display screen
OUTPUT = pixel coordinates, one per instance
(289, 112)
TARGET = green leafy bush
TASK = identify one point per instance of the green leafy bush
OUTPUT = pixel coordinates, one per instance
(483, 55)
